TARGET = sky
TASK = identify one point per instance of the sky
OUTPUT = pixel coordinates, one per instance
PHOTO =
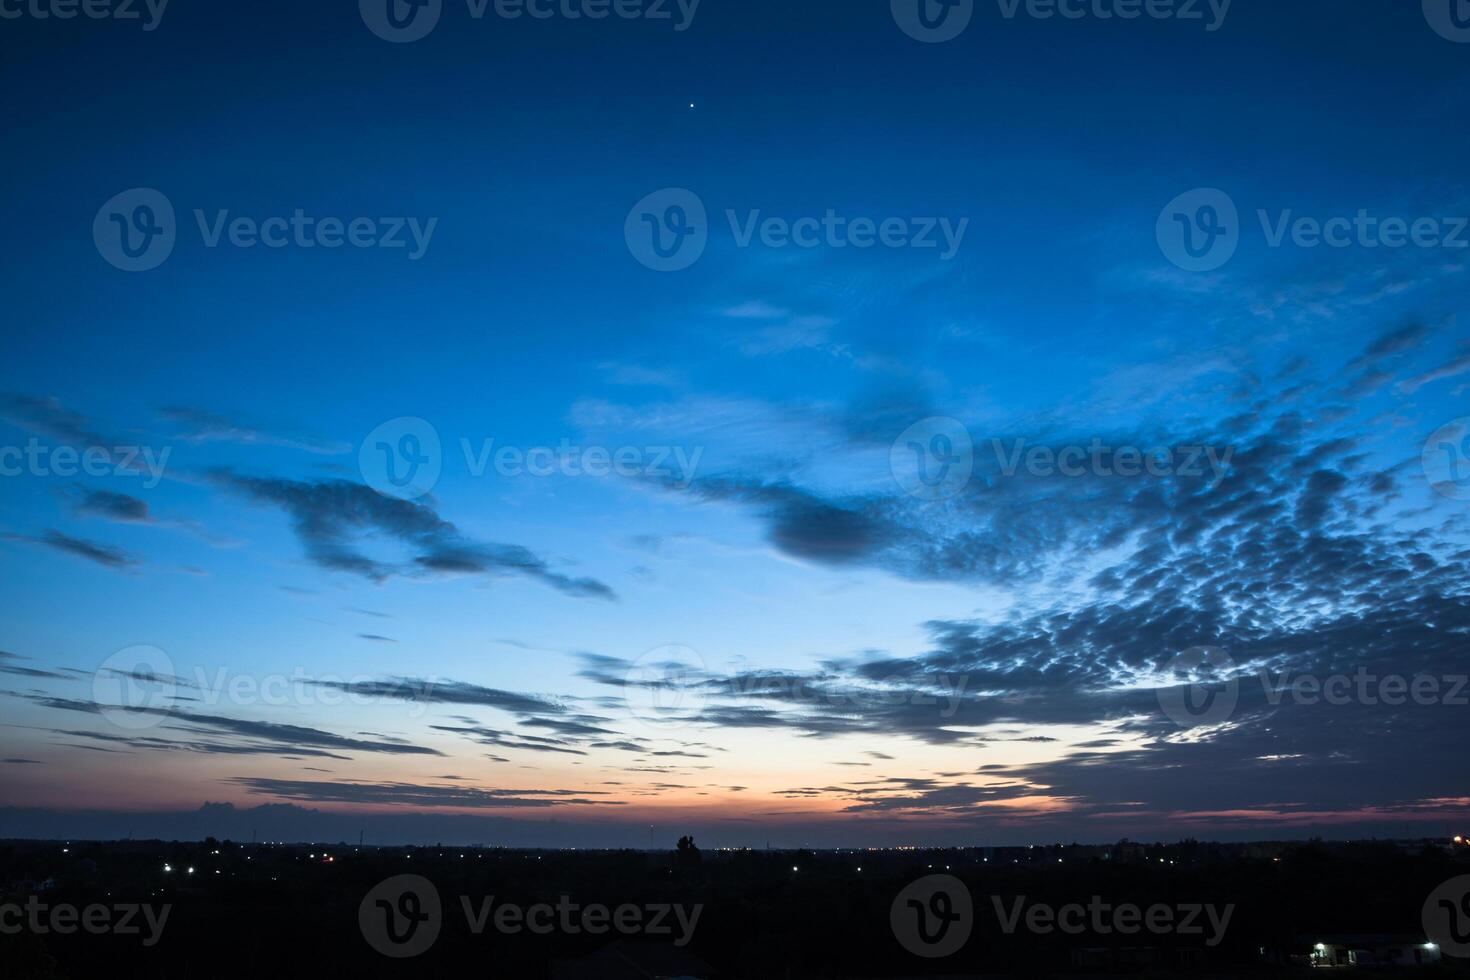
(827, 424)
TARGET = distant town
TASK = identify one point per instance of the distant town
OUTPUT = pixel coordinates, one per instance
(224, 908)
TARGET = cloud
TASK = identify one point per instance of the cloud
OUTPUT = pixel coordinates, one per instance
(1391, 343)
(8, 666)
(113, 506)
(332, 517)
(756, 310)
(510, 740)
(639, 376)
(1451, 369)
(257, 736)
(48, 417)
(1288, 561)
(410, 794)
(102, 554)
(435, 691)
(802, 524)
(200, 425)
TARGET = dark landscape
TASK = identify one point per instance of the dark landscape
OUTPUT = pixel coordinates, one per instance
(236, 908)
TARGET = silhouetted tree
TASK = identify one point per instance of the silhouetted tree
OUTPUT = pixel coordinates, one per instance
(687, 855)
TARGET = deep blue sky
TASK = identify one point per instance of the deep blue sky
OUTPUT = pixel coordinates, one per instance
(263, 552)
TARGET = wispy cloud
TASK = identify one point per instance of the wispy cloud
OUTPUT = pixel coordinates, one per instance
(201, 425)
(332, 518)
(101, 554)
